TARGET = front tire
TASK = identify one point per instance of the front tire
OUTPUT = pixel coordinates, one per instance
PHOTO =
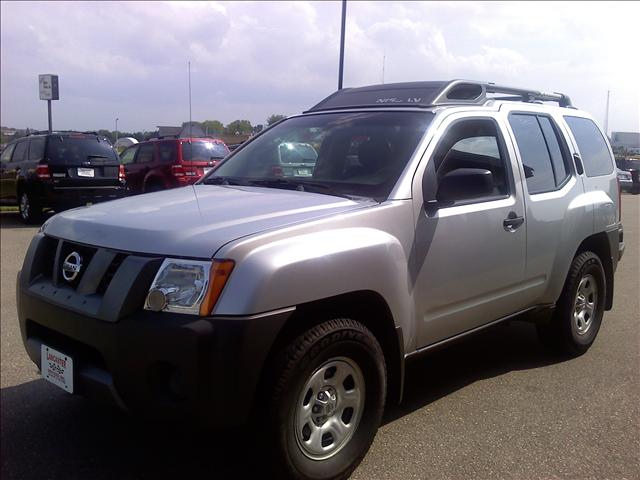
(327, 400)
(578, 315)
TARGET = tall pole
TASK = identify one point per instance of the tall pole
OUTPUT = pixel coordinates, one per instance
(116, 129)
(606, 117)
(344, 18)
(190, 125)
(49, 109)
(384, 55)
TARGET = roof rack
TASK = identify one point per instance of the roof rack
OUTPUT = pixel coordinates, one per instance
(57, 132)
(430, 94)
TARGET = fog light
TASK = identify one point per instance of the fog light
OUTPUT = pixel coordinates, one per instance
(157, 299)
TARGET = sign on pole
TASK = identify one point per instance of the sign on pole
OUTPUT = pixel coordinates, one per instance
(49, 87)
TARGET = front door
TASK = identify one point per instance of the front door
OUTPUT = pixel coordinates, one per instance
(469, 252)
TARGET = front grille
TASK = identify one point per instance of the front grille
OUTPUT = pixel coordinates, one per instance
(109, 285)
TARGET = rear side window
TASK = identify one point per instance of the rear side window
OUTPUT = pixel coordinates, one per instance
(593, 148)
(533, 151)
(6, 153)
(21, 152)
(168, 152)
(75, 150)
(36, 148)
(128, 155)
(559, 162)
(145, 155)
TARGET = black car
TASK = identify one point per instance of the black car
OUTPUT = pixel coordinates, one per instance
(631, 165)
(59, 170)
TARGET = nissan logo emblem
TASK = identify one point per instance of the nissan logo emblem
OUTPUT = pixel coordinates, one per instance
(71, 266)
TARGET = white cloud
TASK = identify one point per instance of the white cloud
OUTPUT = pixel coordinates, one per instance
(248, 60)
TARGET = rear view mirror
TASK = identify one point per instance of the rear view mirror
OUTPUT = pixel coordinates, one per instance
(465, 183)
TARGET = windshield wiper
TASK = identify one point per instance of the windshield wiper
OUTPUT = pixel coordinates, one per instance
(301, 186)
(222, 180)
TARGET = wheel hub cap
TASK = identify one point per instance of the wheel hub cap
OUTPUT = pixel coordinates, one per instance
(585, 304)
(329, 408)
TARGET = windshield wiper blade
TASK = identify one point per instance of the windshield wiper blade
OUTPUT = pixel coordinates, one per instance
(299, 185)
(222, 180)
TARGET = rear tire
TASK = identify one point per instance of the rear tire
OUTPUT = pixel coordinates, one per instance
(29, 207)
(327, 400)
(579, 311)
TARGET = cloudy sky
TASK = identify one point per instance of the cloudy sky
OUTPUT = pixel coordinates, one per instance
(248, 60)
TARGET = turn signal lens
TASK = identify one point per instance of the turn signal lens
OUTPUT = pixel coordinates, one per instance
(220, 272)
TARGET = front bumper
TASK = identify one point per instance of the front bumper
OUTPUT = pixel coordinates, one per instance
(155, 365)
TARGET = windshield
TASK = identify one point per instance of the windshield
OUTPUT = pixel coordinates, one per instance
(357, 154)
(74, 150)
(203, 151)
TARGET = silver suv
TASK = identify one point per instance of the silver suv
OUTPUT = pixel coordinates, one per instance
(431, 210)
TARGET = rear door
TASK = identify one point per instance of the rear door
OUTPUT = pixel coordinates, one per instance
(136, 171)
(82, 161)
(15, 168)
(556, 221)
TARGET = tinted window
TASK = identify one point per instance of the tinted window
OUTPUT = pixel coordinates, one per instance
(203, 151)
(359, 154)
(558, 160)
(75, 150)
(145, 154)
(20, 152)
(534, 153)
(593, 148)
(6, 153)
(473, 144)
(36, 148)
(167, 151)
(128, 155)
(292, 152)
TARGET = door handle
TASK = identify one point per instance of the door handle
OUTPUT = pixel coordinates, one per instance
(512, 222)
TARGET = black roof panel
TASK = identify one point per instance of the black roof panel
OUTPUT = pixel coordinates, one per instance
(410, 94)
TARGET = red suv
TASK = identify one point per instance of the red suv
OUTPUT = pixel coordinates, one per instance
(164, 163)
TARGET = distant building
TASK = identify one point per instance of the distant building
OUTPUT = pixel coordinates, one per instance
(194, 131)
(630, 141)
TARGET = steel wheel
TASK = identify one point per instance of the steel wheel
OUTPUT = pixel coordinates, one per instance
(585, 304)
(329, 408)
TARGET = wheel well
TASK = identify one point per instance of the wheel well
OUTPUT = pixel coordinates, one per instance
(366, 307)
(599, 244)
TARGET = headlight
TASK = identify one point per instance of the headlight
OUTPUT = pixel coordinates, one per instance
(188, 286)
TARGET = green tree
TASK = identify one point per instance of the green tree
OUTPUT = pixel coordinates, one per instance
(275, 117)
(242, 127)
(212, 127)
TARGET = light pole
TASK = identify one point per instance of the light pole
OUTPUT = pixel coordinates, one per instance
(117, 129)
(341, 70)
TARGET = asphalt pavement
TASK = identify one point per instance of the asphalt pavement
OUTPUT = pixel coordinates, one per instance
(495, 406)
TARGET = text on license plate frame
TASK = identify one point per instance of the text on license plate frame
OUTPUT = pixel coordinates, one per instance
(56, 367)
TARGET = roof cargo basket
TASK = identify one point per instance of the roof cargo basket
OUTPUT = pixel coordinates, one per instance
(430, 94)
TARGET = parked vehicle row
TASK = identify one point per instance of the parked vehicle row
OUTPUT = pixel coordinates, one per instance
(629, 174)
(63, 170)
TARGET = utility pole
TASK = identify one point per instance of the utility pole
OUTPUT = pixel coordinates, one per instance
(384, 57)
(117, 129)
(606, 117)
(190, 124)
(341, 69)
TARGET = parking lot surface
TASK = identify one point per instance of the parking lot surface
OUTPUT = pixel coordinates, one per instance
(492, 406)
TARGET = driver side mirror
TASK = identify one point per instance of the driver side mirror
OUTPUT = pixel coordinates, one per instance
(464, 183)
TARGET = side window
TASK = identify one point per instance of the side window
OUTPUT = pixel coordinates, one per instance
(6, 153)
(36, 148)
(145, 155)
(20, 152)
(168, 152)
(559, 154)
(472, 147)
(128, 155)
(535, 156)
(593, 148)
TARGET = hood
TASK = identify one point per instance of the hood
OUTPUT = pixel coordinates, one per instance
(192, 221)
